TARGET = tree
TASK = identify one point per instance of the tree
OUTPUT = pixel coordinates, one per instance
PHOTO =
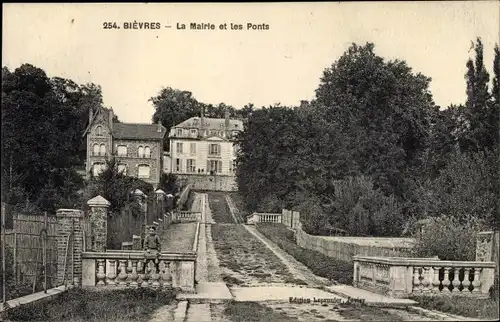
(384, 112)
(37, 135)
(481, 112)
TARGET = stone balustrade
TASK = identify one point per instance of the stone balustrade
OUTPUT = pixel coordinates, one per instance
(403, 276)
(186, 216)
(133, 269)
(266, 217)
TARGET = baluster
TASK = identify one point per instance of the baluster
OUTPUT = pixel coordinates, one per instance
(112, 272)
(416, 280)
(476, 283)
(446, 280)
(140, 268)
(145, 275)
(100, 272)
(456, 282)
(426, 281)
(435, 280)
(466, 281)
(166, 276)
(155, 277)
(134, 276)
(122, 277)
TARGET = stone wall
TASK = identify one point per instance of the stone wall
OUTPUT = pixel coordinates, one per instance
(209, 182)
(344, 248)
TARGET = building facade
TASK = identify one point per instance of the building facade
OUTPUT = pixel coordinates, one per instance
(137, 148)
(202, 145)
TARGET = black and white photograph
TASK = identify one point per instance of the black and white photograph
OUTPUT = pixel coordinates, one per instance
(250, 161)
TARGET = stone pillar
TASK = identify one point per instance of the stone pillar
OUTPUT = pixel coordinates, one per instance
(69, 256)
(99, 221)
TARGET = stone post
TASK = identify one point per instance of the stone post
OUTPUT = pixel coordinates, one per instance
(99, 221)
(69, 248)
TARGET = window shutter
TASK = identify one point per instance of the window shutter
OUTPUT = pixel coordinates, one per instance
(220, 167)
(208, 166)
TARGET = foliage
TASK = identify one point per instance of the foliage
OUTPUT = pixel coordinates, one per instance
(481, 112)
(448, 238)
(116, 187)
(319, 264)
(169, 183)
(42, 122)
(468, 185)
(373, 151)
(463, 306)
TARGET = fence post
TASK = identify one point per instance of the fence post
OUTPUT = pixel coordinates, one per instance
(99, 222)
(69, 221)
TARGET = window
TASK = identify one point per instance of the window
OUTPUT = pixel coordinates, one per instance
(122, 150)
(214, 166)
(192, 148)
(214, 149)
(95, 149)
(191, 165)
(122, 168)
(193, 132)
(103, 149)
(98, 130)
(97, 168)
(178, 165)
(179, 147)
(140, 151)
(147, 152)
(178, 132)
(143, 171)
(232, 166)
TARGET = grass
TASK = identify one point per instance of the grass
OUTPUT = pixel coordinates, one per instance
(219, 208)
(85, 305)
(253, 311)
(464, 306)
(318, 263)
(245, 255)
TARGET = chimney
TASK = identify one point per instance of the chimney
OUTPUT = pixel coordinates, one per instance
(226, 119)
(159, 125)
(202, 121)
(111, 116)
(91, 114)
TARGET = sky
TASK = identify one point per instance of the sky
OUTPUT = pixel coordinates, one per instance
(282, 64)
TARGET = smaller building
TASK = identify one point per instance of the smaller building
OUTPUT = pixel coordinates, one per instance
(137, 147)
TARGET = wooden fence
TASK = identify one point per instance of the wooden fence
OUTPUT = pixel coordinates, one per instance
(26, 246)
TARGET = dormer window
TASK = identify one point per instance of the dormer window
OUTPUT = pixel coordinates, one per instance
(98, 131)
(178, 132)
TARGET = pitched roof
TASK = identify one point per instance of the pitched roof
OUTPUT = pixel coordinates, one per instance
(138, 131)
(211, 123)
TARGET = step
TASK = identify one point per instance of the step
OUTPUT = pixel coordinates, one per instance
(208, 291)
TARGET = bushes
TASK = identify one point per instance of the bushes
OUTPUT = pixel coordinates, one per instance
(318, 263)
(464, 306)
(448, 238)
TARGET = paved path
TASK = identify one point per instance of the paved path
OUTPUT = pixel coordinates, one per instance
(175, 237)
(299, 270)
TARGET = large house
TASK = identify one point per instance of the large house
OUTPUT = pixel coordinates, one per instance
(203, 145)
(138, 148)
